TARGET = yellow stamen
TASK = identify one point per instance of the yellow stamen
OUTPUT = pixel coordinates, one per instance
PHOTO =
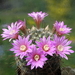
(46, 47)
(61, 29)
(23, 48)
(60, 48)
(12, 31)
(36, 57)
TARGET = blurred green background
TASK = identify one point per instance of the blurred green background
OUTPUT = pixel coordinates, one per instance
(13, 10)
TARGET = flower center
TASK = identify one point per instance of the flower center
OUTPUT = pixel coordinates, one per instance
(36, 57)
(60, 48)
(46, 47)
(61, 29)
(23, 48)
(12, 31)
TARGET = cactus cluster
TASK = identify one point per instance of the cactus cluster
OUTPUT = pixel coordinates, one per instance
(36, 34)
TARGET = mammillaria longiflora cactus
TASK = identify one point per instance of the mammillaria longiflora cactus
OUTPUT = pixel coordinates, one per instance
(38, 50)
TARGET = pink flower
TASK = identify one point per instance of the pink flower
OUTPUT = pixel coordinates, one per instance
(21, 46)
(61, 28)
(23, 24)
(11, 32)
(38, 17)
(62, 46)
(36, 58)
(46, 45)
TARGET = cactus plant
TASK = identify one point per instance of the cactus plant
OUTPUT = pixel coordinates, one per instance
(38, 51)
(51, 67)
